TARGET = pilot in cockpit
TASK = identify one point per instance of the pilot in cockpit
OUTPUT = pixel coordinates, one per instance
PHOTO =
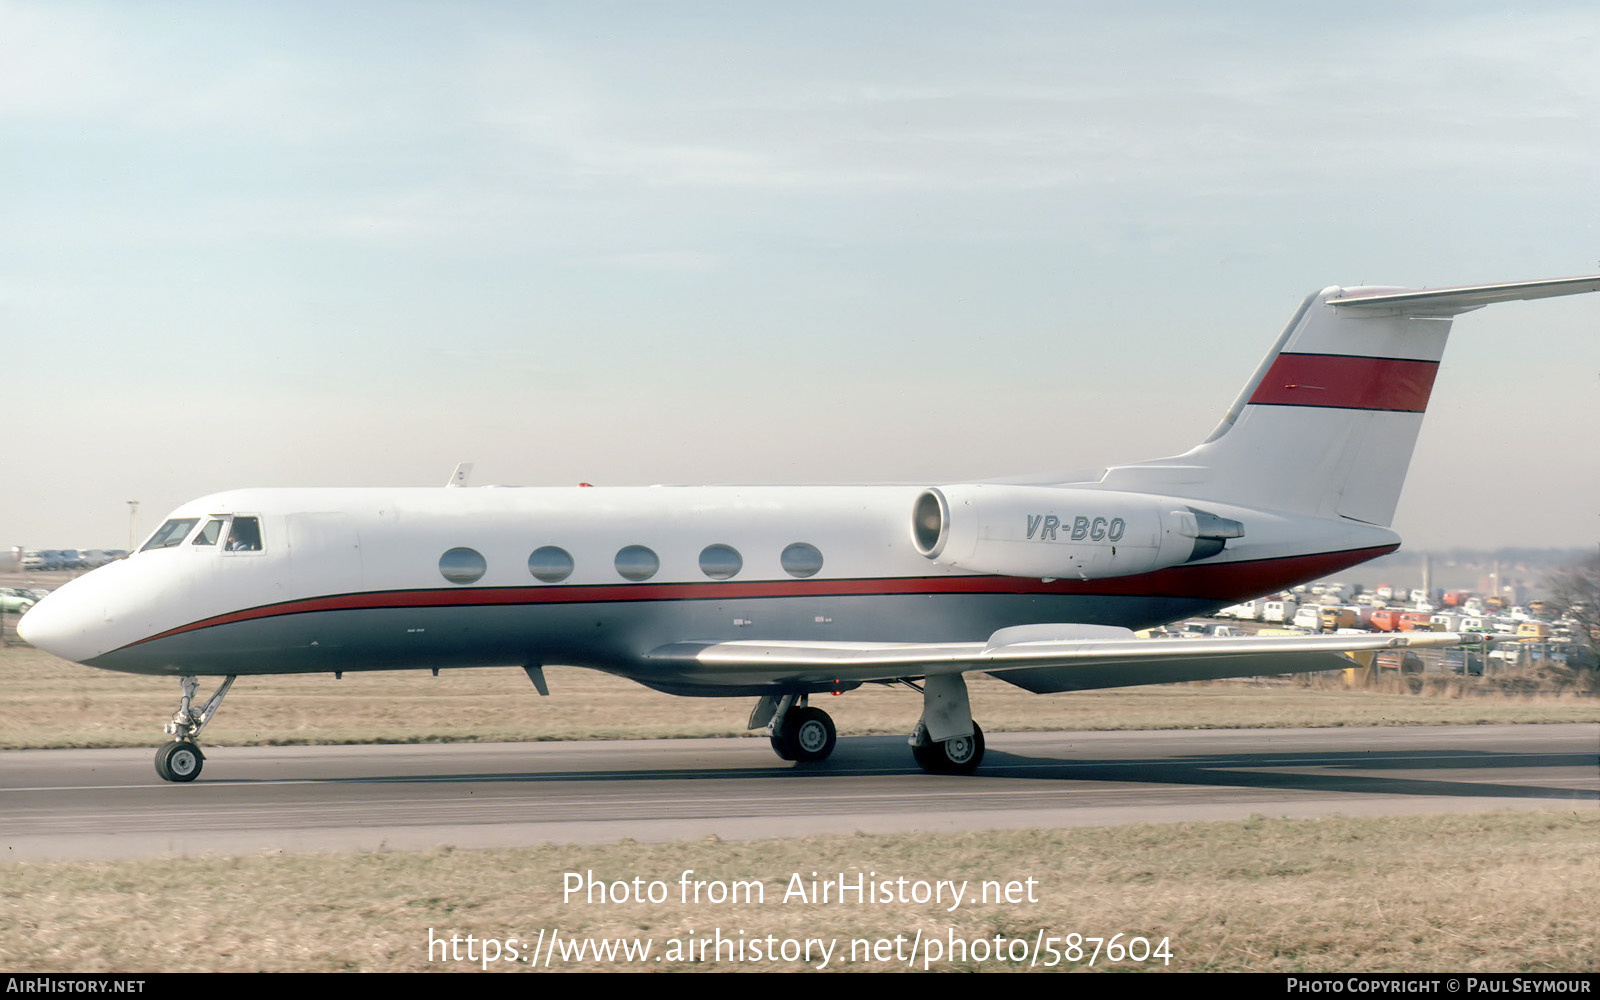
(245, 536)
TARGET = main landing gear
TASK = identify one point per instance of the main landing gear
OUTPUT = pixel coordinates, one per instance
(798, 732)
(956, 755)
(181, 759)
(946, 740)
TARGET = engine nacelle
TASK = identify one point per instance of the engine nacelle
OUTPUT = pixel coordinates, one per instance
(1052, 532)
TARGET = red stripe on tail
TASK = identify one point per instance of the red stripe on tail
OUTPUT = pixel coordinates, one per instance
(1347, 382)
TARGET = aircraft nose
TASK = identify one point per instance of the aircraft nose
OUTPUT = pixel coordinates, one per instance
(64, 623)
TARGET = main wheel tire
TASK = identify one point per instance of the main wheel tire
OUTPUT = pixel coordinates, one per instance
(179, 761)
(780, 748)
(924, 751)
(959, 755)
(808, 735)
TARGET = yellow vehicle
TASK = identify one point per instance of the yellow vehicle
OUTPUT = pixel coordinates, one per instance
(1337, 618)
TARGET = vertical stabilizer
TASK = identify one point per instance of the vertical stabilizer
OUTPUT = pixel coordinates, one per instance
(1328, 422)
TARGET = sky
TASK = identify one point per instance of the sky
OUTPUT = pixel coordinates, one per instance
(310, 244)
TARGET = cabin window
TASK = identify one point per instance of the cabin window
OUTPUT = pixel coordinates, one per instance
(170, 534)
(462, 566)
(550, 563)
(801, 560)
(720, 562)
(635, 562)
(245, 535)
(210, 533)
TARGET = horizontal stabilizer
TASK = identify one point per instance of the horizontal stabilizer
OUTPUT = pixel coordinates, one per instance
(1450, 301)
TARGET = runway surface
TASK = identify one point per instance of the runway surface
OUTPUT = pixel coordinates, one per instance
(109, 804)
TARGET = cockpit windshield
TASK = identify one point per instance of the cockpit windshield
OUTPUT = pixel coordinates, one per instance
(170, 534)
(209, 534)
(245, 536)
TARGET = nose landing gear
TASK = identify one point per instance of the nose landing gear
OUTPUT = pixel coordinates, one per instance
(181, 759)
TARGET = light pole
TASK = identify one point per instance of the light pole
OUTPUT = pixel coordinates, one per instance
(133, 515)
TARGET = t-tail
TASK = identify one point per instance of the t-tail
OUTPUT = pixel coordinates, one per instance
(1327, 424)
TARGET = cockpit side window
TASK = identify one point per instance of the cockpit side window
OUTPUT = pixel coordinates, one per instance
(170, 534)
(245, 535)
(210, 533)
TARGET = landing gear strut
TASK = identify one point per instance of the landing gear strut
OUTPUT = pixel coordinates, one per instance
(798, 731)
(946, 740)
(181, 759)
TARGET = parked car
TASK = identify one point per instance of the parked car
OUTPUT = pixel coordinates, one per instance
(1402, 660)
(14, 601)
(1454, 660)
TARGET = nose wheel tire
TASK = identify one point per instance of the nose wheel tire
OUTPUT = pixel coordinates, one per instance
(179, 761)
(808, 734)
(960, 755)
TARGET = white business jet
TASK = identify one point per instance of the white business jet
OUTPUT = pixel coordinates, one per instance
(779, 593)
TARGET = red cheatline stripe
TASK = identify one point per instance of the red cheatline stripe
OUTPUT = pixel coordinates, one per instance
(1348, 382)
(1226, 582)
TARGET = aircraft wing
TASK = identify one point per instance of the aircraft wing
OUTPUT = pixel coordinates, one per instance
(1040, 658)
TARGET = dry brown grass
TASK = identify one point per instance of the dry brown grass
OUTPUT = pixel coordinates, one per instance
(52, 703)
(1489, 892)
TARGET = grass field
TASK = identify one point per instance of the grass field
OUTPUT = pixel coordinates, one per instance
(1490, 892)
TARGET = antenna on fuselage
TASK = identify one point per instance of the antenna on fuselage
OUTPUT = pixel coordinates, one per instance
(460, 476)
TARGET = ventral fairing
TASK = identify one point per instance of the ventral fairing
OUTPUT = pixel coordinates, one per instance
(778, 593)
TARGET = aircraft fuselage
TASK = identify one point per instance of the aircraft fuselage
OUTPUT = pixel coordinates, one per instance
(375, 579)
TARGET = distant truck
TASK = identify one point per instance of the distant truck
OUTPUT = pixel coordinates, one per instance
(1335, 618)
(1338, 590)
(1279, 612)
(1249, 611)
(1386, 619)
(1416, 621)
